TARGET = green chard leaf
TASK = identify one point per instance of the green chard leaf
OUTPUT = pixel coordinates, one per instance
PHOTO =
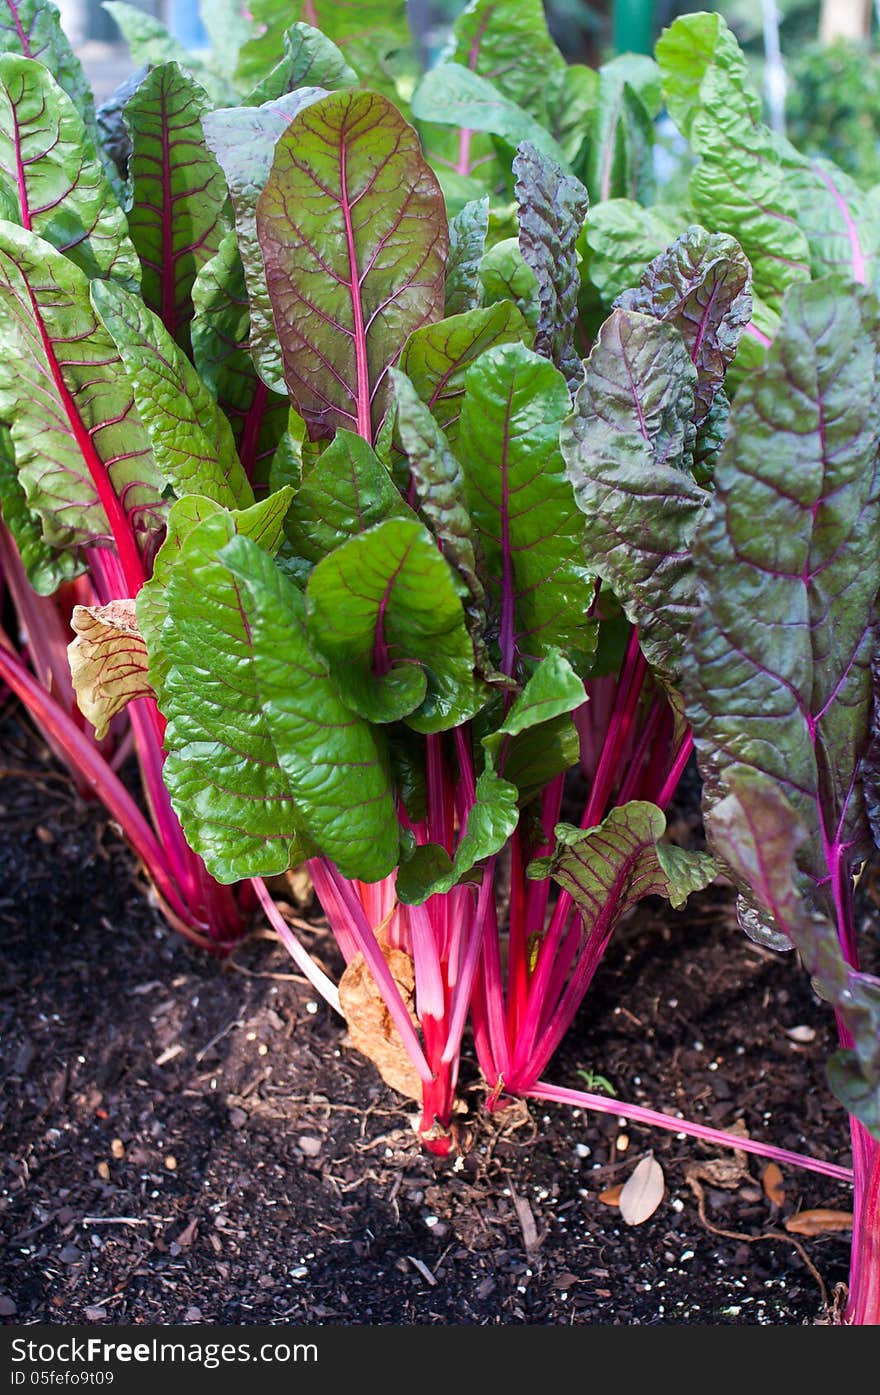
(220, 337)
(46, 569)
(310, 60)
(628, 448)
(508, 42)
(263, 522)
(80, 447)
(49, 159)
(227, 28)
(619, 239)
(467, 244)
(347, 289)
(363, 30)
(552, 208)
(243, 140)
(343, 493)
(702, 285)
(506, 276)
(537, 740)
(740, 185)
(262, 753)
(113, 134)
(192, 440)
(522, 506)
(621, 158)
(33, 29)
(384, 611)
(437, 357)
(178, 194)
(150, 44)
(428, 870)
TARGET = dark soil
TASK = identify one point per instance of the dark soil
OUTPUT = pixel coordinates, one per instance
(187, 1142)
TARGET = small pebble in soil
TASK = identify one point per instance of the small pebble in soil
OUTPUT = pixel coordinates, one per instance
(171, 1162)
(104, 1171)
(117, 1148)
(193, 1315)
(70, 1255)
(237, 1118)
(95, 1314)
(7, 1307)
(308, 1145)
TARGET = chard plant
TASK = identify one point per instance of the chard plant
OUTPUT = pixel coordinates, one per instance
(390, 416)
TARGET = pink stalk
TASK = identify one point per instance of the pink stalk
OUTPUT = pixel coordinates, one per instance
(863, 1306)
(461, 997)
(583, 1099)
(298, 953)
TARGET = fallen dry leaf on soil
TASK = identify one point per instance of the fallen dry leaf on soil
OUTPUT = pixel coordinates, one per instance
(369, 1022)
(818, 1222)
(642, 1191)
(771, 1179)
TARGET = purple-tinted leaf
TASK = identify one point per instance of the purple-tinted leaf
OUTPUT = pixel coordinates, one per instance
(177, 191)
(523, 507)
(243, 140)
(777, 679)
(436, 358)
(627, 448)
(84, 459)
(467, 243)
(220, 339)
(551, 207)
(354, 239)
(702, 285)
(49, 159)
(757, 834)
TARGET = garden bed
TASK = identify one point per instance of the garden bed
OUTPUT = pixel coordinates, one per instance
(189, 1142)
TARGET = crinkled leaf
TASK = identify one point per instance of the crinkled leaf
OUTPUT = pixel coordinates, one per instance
(702, 285)
(436, 358)
(620, 238)
(740, 185)
(621, 159)
(711, 435)
(441, 495)
(755, 830)
(243, 139)
(77, 436)
(552, 207)
(777, 677)
(608, 869)
(522, 506)
(384, 611)
(49, 158)
(467, 244)
(192, 440)
(627, 448)
(452, 95)
(33, 29)
(220, 336)
(354, 238)
(836, 216)
(508, 42)
(108, 661)
(310, 60)
(178, 193)
(344, 492)
(46, 568)
(428, 870)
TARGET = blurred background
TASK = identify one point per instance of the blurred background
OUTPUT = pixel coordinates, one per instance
(817, 62)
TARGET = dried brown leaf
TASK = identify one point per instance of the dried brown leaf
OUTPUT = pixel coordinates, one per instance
(370, 1025)
(771, 1179)
(818, 1222)
(611, 1195)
